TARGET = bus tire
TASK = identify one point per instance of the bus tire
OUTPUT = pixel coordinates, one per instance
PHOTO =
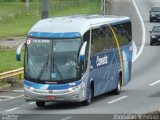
(89, 98)
(119, 85)
(40, 104)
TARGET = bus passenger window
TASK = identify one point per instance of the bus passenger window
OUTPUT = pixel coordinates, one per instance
(110, 39)
(95, 41)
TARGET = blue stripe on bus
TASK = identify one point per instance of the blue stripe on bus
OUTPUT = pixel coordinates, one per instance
(54, 35)
(106, 76)
(51, 86)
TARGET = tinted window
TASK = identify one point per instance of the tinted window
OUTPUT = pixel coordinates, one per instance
(123, 32)
(102, 39)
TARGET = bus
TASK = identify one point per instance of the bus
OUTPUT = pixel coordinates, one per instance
(75, 58)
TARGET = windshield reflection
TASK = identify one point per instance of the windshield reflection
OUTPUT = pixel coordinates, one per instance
(65, 59)
(52, 59)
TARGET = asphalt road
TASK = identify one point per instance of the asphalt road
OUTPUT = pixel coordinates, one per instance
(141, 95)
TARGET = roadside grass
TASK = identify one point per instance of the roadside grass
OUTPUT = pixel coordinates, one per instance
(2, 83)
(92, 7)
(19, 24)
(8, 60)
(9, 8)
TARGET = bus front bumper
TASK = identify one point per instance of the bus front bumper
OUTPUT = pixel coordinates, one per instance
(74, 94)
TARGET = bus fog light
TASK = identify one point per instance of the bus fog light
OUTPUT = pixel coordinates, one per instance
(26, 95)
(76, 96)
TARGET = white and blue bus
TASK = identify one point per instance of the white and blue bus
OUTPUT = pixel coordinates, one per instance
(75, 58)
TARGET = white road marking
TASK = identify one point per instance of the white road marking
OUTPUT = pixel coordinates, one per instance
(20, 91)
(154, 83)
(67, 118)
(11, 109)
(9, 97)
(31, 103)
(118, 99)
(143, 31)
(12, 98)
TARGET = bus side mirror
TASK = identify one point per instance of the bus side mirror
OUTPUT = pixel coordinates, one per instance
(82, 52)
(18, 53)
(150, 31)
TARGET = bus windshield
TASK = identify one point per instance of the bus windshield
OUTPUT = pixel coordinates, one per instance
(52, 59)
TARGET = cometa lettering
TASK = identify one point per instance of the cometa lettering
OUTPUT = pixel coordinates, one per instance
(101, 61)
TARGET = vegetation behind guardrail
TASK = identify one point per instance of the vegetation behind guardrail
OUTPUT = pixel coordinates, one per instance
(16, 19)
(34, 7)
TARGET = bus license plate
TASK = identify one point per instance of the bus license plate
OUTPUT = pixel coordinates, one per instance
(50, 97)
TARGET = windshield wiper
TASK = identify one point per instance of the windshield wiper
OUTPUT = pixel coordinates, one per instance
(43, 68)
(59, 73)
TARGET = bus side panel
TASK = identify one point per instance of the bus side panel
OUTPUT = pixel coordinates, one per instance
(104, 71)
(127, 63)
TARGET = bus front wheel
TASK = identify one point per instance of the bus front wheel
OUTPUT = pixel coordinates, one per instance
(89, 98)
(40, 104)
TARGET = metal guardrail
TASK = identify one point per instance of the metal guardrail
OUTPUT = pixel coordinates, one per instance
(12, 73)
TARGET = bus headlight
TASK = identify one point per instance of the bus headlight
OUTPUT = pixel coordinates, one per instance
(73, 88)
(29, 88)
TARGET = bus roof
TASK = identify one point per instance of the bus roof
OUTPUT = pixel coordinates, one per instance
(72, 26)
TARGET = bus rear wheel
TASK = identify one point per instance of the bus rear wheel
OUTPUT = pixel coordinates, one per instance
(119, 85)
(40, 104)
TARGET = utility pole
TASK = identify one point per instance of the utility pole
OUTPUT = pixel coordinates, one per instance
(27, 5)
(45, 9)
(103, 7)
